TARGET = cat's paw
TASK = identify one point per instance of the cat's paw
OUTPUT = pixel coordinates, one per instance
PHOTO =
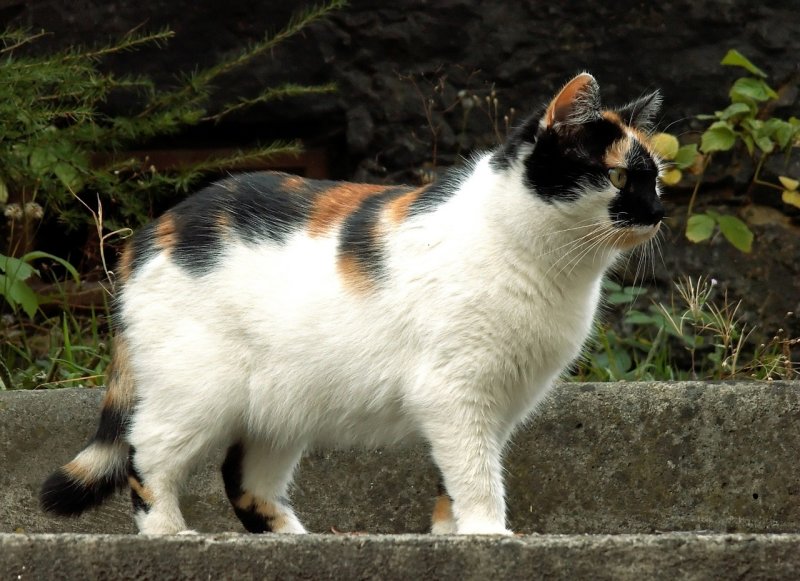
(188, 532)
(483, 527)
(443, 527)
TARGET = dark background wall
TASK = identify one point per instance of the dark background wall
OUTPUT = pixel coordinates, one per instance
(376, 125)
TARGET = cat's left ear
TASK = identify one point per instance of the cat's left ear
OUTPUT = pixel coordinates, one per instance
(642, 112)
(578, 102)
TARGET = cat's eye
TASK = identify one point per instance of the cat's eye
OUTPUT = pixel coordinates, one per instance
(618, 177)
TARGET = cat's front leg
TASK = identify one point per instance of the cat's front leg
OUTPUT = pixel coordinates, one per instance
(468, 451)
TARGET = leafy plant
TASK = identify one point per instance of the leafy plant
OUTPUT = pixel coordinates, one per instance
(56, 141)
(745, 123)
(14, 274)
(695, 336)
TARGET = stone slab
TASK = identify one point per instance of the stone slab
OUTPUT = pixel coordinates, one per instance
(597, 557)
(596, 458)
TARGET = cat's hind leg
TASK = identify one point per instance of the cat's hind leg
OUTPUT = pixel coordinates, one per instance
(155, 487)
(257, 477)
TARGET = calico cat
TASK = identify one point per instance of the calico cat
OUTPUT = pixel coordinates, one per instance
(268, 314)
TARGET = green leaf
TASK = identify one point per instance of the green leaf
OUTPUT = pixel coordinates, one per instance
(736, 59)
(781, 131)
(736, 232)
(17, 292)
(764, 143)
(686, 156)
(619, 298)
(748, 88)
(735, 109)
(719, 137)
(639, 318)
(611, 286)
(699, 227)
(15, 268)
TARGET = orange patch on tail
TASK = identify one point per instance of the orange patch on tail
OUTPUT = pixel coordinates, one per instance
(78, 472)
(337, 203)
(119, 378)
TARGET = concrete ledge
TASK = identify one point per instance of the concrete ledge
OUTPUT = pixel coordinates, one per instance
(598, 458)
(621, 557)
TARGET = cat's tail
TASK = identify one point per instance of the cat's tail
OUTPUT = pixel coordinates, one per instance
(101, 467)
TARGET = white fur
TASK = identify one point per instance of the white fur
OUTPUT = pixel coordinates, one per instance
(486, 300)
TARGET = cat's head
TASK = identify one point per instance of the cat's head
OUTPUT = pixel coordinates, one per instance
(593, 168)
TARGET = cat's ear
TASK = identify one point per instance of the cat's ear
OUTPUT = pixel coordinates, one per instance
(642, 112)
(578, 102)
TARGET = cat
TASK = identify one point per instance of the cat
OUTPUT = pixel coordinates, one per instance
(268, 314)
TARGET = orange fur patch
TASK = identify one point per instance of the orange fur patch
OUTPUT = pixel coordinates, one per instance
(166, 235)
(78, 472)
(269, 510)
(565, 98)
(617, 153)
(335, 204)
(144, 493)
(613, 117)
(125, 263)
(293, 183)
(398, 208)
(442, 510)
(352, 274)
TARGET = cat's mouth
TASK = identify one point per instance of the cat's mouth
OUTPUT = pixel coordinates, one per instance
(632, 236)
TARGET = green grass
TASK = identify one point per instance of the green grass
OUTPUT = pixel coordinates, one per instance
(66, 350)
(699, 334)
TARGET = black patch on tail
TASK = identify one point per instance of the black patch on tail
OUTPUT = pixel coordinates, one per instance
(113, 425)
(64, 495)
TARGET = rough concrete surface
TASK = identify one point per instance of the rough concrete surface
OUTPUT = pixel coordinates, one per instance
(597, 458)
(597, 557)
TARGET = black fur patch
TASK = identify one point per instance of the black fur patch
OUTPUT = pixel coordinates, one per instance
(254, 206)
(435, 195)
(139, 504)
(112, 427)
(562, 159)
(358, 238)
(638, 204)
(61, 494)
(232, 477)
(505, 155)
(143, 246)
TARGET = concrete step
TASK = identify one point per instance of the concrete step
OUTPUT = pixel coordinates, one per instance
(619, 557)
(598, 458)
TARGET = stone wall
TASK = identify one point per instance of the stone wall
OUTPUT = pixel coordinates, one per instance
(389, 58)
